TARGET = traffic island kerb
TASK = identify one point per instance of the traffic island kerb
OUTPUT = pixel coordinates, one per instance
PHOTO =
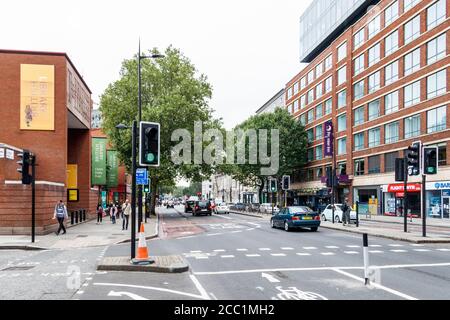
(162, 264)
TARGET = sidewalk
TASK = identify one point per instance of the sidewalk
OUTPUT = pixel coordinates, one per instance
(87, 234)
(442, 223)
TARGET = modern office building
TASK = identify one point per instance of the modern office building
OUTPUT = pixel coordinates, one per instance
(277, 101)
(379, 71)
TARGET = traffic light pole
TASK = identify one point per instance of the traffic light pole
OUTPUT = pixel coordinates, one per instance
(424, 206)
(133, 190)
(139, 121)
(405, 195)
(33, 198)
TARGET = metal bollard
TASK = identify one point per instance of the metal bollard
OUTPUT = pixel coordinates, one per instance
(357, 213)
(71, 217)
(76, 216)
(84, 214)
(366, 258)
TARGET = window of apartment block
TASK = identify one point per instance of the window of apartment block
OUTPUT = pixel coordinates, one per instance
(374, 54)
(342, 75)
(358, 116)
(319, 132)
(295, 88)
(342, 146)
(302, 83)
(310, 96)
(374, 164)
(412, 126)
(310, 154)
(374, 109)
(389, 161)
(374, 137)
(295, 106)
(358, 39)
(442, 153)
(412, 29)
(302, 119)
(302, 101)
(391, 43)
(436, 14)
(358, 139)
(342, 99)
(391, 73)
(328, 106)
(319, 173)
(374, 26)
(437, 119)
(391, 133)
(289, 93)
(374, 82)
(310, 76)
(319, 111)
(319, 152)
(310, 115)
(319, 70)
(359, 167)
(358, 90)
(436, 49)
(328, 62)
(341, 168)
(319, 90)
(342, 122)
(310, 135)
(436, 84)
(358, 65)
(391, 102)
(342, 51)
(412, 94)
(408, 4)
(391, 13)
(328, 84)
(412, 62)
(310, 175)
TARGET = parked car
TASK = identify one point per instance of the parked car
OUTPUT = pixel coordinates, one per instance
(267, 208)
(239, 206)
(202, 207)
(222, 208)
(189, 206)
(296, 217)
(254, 207)
(327, 214)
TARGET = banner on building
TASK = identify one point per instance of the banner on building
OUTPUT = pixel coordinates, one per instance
(37, 97)
(98, 174)
(328, 139)
(112, 169)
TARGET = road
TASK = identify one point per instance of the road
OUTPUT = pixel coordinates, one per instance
(240, 257)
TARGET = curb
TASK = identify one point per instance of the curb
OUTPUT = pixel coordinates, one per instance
(399, 238)
(125, 265)
(247, 214)
(22, 247)
(152, 236)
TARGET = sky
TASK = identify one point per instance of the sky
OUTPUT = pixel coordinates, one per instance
(248, 49)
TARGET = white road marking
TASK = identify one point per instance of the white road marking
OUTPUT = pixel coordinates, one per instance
(85, 284)
(287, 248)
(236, 231)
(303, 254)
(219, 250)
(124, 293)
(201, 257)
(269, 277)
(253, 255)
(196, 251)
(327, 253)
(375, 245)
(242, 249)
(213, 296)
(421, 250)
(213, 234)
(376, 251)
(227, 256)
(228, 218)
(88, 279)
(80, 292)
(417, 245)
(351, 252)
(443, 249)
(199, 287)
(376, 285)
(186, 237)
(331, 247)
(353, 246)
(309, 248)
(398, 251)
(278, 254)
(264, 249)
(395, 245)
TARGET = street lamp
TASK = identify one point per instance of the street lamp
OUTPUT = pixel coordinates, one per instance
(140, 57)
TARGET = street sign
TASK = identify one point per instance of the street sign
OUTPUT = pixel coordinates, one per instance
(141, 176)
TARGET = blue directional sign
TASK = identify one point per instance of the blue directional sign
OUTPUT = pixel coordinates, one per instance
(141, 176)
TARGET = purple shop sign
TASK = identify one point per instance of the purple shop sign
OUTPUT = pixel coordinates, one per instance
(328, 139)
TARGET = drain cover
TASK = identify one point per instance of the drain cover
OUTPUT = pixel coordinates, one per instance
(18, 268)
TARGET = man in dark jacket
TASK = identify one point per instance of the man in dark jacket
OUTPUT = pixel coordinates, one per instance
(345, 212)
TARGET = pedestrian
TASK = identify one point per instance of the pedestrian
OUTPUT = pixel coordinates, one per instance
(126, 209)
(345, 212)
(113, 212)
(60, 213)
(119, 210)
(99, 214)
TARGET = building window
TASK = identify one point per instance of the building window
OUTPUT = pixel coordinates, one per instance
(374, 26)
(391, 102)
(358, 117)
(328, 106)
(295, 106)
(358, 39)
(319, 152)
(391, 13)
(412, 126)
(302, 101)
(310, 135)
(389, 161)
(374, 137)
(391, 132)
(328, 84)
(328, 62)
(342, 122)
(310, 96)
(341, 168)
(410, 3)
(442, 154)
(310, 175)
(342, 99)
(436, 49)
(342, 146)
(412, 29)
(319, 111)
(303, 119)
(359, 141)
(374, 54)
(319, 132)
(436, 84)
(391, 43)
(342, 75)
(310, 154)
(359, 167)
(436, 14)
(310, 115)
(412, 94)
(374, 164)
(391, 73)
(295, 88)
(310, 76)
(289, 93)
(358, 64)
(319, 173)
(302, 83)
(374, 82)
(342, 51)
(374, 109)
(358, 90)
(318, 90)
(412, 62)
(436, 119)
(319, 70)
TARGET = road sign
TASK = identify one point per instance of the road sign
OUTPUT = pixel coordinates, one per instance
(141, 176)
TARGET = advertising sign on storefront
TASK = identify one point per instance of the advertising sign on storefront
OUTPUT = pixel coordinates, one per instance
(98, 161)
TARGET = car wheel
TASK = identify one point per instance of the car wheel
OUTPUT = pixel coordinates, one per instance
(314, 229)
(336, 219)
(272, 224)
(286, 226)
(324, 218)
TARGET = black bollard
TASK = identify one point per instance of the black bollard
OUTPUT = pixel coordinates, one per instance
(71, 217)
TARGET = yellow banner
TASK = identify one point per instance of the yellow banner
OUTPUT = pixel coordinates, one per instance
(71, 177)
(37, 97)
(73, 195)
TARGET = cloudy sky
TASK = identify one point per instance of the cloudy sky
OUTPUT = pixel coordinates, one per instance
(247, 48)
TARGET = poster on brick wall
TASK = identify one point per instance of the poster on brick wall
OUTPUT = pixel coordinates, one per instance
(98, 174)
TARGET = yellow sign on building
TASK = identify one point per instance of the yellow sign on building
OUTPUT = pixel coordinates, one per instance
(72, 176)
(37, 97)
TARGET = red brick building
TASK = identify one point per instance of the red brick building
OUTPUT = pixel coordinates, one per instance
(383, 80)
(45, 107)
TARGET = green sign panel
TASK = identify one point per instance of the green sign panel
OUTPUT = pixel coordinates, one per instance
(112, 169)
(98, 174)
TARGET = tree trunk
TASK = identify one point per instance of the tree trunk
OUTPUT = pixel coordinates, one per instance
(154, 190)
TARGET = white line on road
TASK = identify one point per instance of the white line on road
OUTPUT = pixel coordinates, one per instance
(219, 250)
(196, 251)
(417, 245)
(201, 257)
(351, 252)
(242, 249)
(303, 254)
(199, 287)
(278, 254)
(253, 255)
(395, 245)
(375, 245)
(331, 247)
(309, 248)
(377, 285)
(443, 249)
(264, 249)
(287, 248)
(213, 234)
(327, 253)
(238, 231)
(376, 251)
(269, 277)
(227, 256)
(398, 251)
(353, 246)
(421, 250)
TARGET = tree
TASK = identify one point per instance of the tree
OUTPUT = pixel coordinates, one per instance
(172, 95)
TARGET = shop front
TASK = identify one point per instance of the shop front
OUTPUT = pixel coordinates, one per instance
(438, 199)
(368, 198)
(393, 199)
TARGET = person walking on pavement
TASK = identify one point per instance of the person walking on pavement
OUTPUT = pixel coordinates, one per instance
(345, 213)
(60, 213)
(99, 214)
(126, 209)
(114, 212)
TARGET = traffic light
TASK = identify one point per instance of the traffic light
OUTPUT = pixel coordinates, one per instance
(414, 159)
(149, 134)
(273, 185)
(430, 160)
(286, 182)
(24, 168)
(399, 169)
(147, 188)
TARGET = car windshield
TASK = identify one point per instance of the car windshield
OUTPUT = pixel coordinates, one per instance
(294, 210)
(203, 203)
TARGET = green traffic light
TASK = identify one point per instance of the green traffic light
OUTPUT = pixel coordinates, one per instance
(150, 157)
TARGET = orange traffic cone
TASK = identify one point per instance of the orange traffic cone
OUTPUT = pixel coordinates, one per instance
(142, 251)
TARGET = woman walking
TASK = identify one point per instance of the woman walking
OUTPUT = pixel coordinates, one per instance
(99, 214)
